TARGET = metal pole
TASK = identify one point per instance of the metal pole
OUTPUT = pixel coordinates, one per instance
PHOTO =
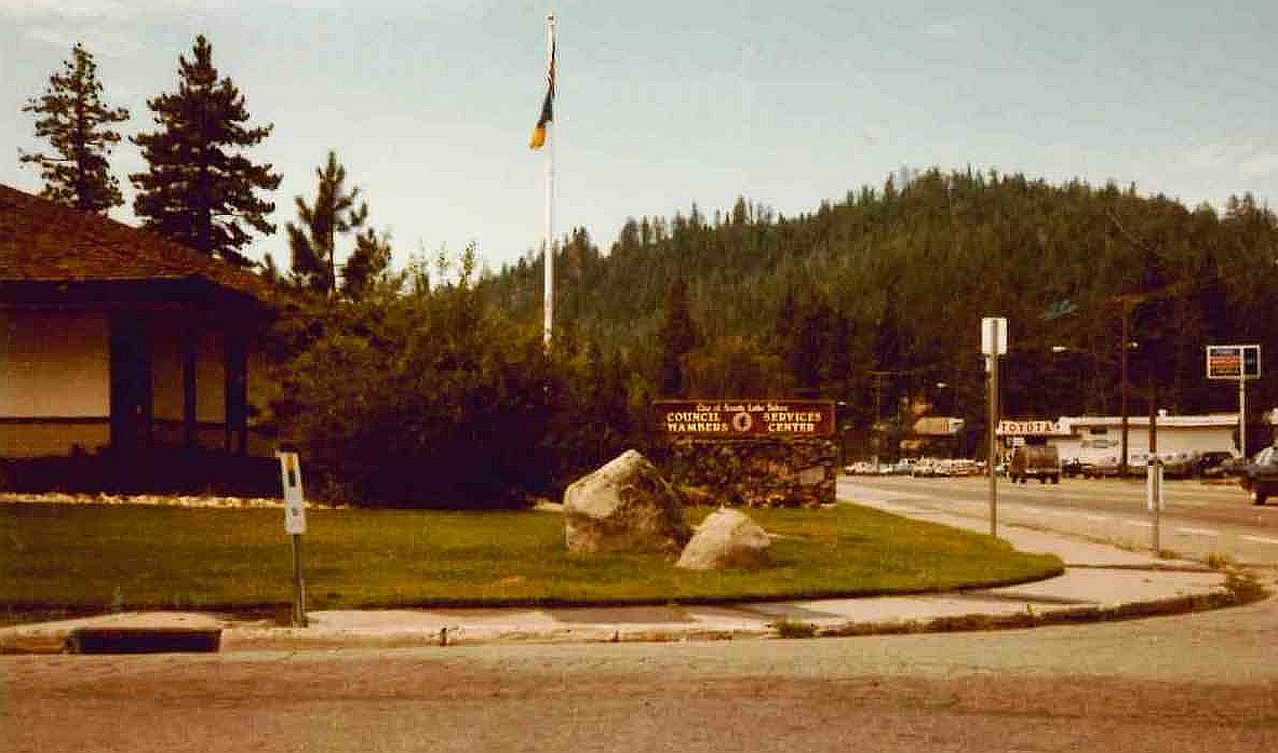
(1123, 390)
(1242, 408)
(548, 324)
(1154, 476)
(993, 449)
(299, 584)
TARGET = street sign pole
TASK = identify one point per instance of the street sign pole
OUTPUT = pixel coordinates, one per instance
(993, 345)
(299, 584)
(1242, 412)
(1154, 473)
(295, 526)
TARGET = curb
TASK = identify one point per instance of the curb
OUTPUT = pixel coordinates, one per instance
(1218, 599)
(1240, 588)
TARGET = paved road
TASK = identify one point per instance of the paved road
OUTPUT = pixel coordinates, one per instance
(1205, 682)
(1199, 520)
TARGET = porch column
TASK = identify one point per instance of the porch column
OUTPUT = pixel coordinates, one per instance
(190, 394)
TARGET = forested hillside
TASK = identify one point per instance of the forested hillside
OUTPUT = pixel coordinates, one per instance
(896, 281)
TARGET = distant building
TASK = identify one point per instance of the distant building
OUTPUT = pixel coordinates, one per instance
(1094, 439)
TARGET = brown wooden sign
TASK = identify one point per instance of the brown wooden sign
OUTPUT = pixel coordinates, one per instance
(746, 419)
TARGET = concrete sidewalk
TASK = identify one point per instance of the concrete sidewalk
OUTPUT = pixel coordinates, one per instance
(1100, 582)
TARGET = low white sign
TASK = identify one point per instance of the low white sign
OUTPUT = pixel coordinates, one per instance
(294, 502)
(994, 336)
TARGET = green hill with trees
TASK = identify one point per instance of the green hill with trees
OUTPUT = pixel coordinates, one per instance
(878, 298)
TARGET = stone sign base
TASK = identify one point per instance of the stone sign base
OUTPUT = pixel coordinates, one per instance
(755, 472)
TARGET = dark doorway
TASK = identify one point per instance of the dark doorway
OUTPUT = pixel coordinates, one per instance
(131, 398)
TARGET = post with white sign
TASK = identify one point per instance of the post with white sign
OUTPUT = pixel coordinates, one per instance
(1154, 475)
(295, 526)
(993, 345)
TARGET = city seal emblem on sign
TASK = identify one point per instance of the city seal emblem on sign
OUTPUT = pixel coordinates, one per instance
(742, 422)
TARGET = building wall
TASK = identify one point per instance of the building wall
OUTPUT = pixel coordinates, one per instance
(210, 378)
(166, 369)
(1089, 447)
(55, 382)
(54, 364)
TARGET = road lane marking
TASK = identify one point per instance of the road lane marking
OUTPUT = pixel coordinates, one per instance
(1141, 523)
(1260, 539)
(1197, 531)
(1092, 516)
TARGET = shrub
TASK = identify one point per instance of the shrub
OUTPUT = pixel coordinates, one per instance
(434, 398)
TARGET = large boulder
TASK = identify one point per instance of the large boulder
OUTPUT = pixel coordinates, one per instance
(624, 506)
(727, 539)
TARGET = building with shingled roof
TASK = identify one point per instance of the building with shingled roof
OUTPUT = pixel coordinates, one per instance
(116, 340)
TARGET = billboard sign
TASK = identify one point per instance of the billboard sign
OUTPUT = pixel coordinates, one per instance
(1234, 362)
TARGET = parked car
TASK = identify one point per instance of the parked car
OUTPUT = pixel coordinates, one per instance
(1178, 464)
(961, 467)
(1260, 477)
(1103, 467)
(926, 467)
(1217, 463)
(1042, 462)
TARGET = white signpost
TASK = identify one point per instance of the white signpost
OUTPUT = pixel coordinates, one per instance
(993, 345)
(295, 526)
(1241, 362)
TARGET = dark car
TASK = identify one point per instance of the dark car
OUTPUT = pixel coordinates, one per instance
(1260, 477)
(1219, 463)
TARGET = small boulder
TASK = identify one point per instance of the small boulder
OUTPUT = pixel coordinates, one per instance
(727, 539)
(624, 506)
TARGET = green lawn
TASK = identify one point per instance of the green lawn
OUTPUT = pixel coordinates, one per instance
(83, 557)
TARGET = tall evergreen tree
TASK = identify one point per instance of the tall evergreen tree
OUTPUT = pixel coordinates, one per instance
(72, 116)
(313, 242)
(199, 189)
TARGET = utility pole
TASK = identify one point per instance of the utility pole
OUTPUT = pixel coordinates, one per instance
(1127, 303)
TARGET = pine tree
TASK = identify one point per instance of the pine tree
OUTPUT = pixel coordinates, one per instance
(313, 243)
(72, 116)
(199, 188)
(367, 264)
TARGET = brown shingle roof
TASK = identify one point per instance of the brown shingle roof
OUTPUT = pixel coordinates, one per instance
(45, 242)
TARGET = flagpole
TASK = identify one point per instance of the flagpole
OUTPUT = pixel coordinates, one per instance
(549, 248)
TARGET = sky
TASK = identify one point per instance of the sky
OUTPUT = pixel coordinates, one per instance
(429, 104)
